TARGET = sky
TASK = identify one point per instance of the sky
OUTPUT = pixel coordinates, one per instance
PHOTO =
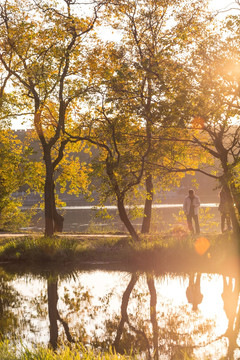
(221, 4)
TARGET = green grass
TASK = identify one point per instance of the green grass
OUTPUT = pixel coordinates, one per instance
(27, 248)
(172, 248)
(77, 352)
(59, 249)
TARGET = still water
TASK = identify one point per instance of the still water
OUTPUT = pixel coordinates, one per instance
(146, 313)
(164, 217)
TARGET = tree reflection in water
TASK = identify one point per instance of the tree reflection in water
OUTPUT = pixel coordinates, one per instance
(230, 296)
(165, 341)
(53, 313)
(136, 318)
(9, 299)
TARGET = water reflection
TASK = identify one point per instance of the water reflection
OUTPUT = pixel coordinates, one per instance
(161, 316)
(53, 313)
(193, 291)
(230, 296)
(9, 299)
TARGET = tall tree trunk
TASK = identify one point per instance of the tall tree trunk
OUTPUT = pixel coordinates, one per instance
(148, 206)
(125, 219)
(49, 202)
(236, 196)
(53, 220)
(57, 218)
(52, 311)
(233, 215)
(120, 199)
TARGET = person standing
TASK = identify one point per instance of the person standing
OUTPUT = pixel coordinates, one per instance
(191, 207)
(224, 210)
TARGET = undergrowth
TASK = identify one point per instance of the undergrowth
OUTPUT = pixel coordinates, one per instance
(60, 248)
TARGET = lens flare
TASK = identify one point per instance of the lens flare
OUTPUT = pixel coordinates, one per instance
(201, 245)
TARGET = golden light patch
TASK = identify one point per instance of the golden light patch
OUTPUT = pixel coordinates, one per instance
(201, 245)
(198, 122)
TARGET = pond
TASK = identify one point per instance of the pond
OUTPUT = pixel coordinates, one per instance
(146, 313)
(164, 217)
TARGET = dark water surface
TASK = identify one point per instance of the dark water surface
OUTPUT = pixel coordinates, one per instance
(166, 313)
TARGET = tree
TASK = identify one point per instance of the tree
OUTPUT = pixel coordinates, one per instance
(140, 88)
(43, 48)
(4, 78)
(14, 168)
(216, 111)
(14, 156)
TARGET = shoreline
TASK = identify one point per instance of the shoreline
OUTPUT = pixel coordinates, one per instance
(157, 253)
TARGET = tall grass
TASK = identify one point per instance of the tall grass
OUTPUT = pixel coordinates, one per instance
(76, 352)
(34, 249)
(27, 248)
(60, 248)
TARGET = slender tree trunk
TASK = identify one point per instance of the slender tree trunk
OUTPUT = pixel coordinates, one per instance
(125, 219)
(233, 215)
(230, 196)
(49, 203)
(120, 200)
(236, 197)
(53, 220)
(148, 206)
(52, 312)
(57, 218)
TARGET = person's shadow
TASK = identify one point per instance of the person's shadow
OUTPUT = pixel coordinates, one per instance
(193, 291)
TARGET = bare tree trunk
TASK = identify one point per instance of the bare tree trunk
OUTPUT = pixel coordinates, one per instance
(125, 219)
(49, 202)
(53, 220)
(236, 197)
(148, 206)
(57, 218)
(233, 215)
(120, 199)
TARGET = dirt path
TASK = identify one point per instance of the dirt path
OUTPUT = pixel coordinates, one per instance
(13, 235)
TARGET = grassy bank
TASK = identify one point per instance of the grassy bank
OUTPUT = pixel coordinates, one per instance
(161, 251)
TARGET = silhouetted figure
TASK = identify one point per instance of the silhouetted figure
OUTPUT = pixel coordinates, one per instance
(224, 210)
(191, 207)
(193, 291)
